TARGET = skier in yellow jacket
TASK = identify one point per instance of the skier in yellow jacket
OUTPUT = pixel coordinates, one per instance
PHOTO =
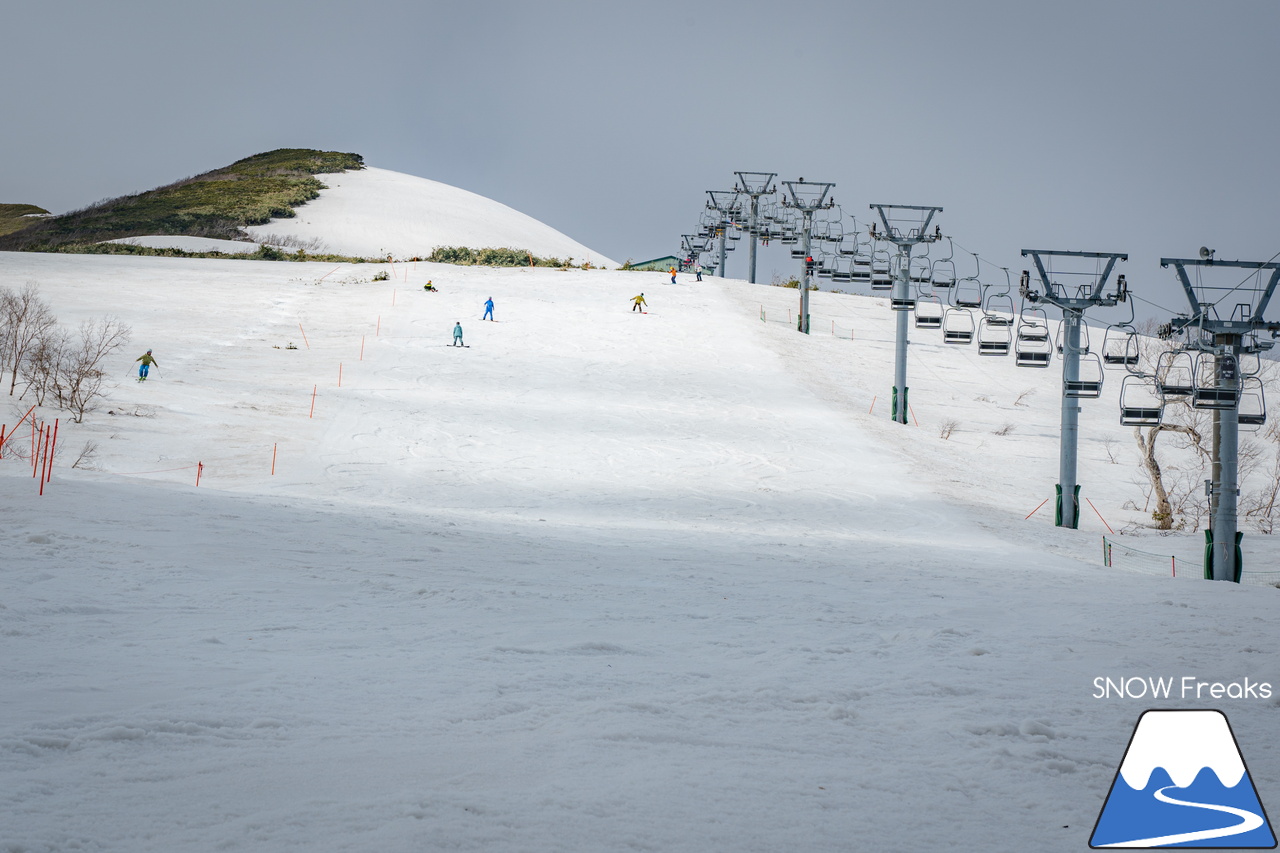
(147, 361)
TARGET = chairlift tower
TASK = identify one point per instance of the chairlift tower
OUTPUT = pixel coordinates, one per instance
(727, 204)
(905, 226)
(1225, 341)
(754, 185)
(807, 197)
(1073, 301)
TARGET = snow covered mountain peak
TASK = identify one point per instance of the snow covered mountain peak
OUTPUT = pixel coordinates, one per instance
(375, 212)
(1183, 743)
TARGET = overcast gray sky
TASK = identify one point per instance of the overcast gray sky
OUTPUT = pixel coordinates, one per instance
(1140, 127)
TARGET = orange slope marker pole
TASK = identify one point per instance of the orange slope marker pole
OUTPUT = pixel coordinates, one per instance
(53, 448)
(273, 459)
(1037, 509)
(304, 336)
(1103, 520)
(199, 471)
(362, 348)
(313, 401)
(14, 431)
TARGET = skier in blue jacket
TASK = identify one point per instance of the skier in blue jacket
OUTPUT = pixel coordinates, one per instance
(488, 310)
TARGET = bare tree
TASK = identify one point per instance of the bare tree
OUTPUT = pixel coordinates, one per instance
(79, 376)
(25, 318)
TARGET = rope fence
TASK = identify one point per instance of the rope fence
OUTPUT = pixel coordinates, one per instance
(1118, 555)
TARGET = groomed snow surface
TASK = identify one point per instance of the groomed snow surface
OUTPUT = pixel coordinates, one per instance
(602, 581)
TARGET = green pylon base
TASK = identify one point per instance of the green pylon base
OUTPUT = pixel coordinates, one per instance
(1075, 515)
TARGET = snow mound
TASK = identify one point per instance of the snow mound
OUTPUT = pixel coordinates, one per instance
(376, 212)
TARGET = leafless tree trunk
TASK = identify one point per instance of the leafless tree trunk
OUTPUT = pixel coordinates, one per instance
(25, 319)
(79, 376)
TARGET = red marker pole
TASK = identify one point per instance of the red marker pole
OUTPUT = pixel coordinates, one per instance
(35, 450)
(378, 330)
(53, 448)
(44, 466)
(199, 471)
(304, 336)
(273, 459)
(313, 401)
(339, 374)
(362, 347)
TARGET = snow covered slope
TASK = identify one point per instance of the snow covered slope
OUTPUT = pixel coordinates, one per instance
(602, 581)
(376, 212)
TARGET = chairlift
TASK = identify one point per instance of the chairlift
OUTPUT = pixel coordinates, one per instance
(993, 338)
(1120, 346)
(921, 270)
(1084, 338)
(1033, 325)
(967, 293)
(1141, 403)
(1088, 384)
(1208, 394)
(957, 326)
(842, 270)
(881, 279)
(1175, 374)
(1253, 403)
(1032, 347)
(999, 309)
(928, 312)
(943, 273)
(861, 270)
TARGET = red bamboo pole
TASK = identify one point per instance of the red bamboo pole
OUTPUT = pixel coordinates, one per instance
(53, 448)
(378, 331)
(339, 374)
(273, 459)
(362, 347)
(1037, 509)
(313, 401)
(199, 471)
(35, 450)
(304, 336)
(14, 431)
(44, 465)
(393, 297)
(1104, 521)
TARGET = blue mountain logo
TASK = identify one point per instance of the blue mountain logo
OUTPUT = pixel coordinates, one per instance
(1183, 783)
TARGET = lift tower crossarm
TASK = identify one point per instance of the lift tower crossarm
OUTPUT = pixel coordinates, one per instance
(1051, 294)
(1255, 323)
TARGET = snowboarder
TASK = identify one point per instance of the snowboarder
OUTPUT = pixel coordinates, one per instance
(430, 288)
(673, 275)
(698, 272)
(457, 335)
(488, 310)
(639, 301)
(143, 368)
